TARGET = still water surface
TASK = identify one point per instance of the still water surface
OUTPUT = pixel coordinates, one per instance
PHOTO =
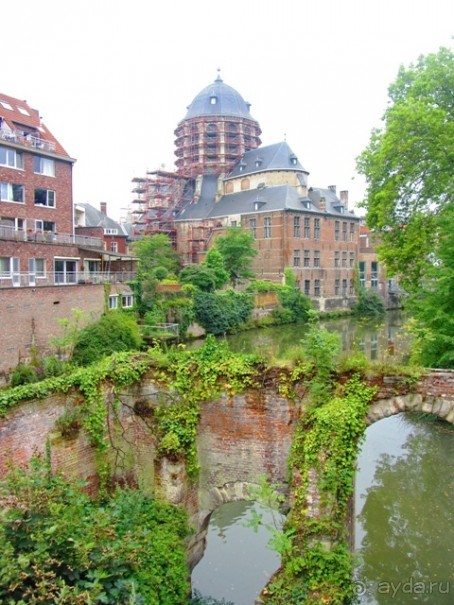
(405, 515)
(237, 562)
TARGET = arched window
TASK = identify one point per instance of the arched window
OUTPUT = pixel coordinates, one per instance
(245, 184)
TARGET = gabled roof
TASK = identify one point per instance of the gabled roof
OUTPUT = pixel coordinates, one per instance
(18, 117)
(96, 218)
(274, 157)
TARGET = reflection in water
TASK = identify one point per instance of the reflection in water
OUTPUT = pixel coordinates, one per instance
(237, 562)
(375, 338)
(405, 519)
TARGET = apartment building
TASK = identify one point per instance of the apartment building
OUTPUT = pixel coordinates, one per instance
(40, 254)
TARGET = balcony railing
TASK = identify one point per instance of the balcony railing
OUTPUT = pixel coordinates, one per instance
(29, 140)
(10, 279)
(49, 237)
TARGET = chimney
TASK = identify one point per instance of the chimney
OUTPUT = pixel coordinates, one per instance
(322, 204)
(332, 188)
(344, 198)
(103, 207)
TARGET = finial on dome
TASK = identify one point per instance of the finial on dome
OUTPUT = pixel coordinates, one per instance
(218, 79)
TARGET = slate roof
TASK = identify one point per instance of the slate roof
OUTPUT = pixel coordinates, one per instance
(278, 156)
(229, 102)
(18, 116)
(333, 203)
(96, 218)
(202, 208)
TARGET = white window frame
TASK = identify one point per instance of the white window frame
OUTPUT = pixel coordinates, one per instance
(113, 302)
(45, 166)
(51, 198)
(65, 273)
(127, 301)
(13, 159)
(9, 189)
(110, 231)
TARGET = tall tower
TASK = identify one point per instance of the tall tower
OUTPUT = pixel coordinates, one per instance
(215, 132)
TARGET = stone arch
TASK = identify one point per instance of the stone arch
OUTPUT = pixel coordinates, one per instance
(442, 407)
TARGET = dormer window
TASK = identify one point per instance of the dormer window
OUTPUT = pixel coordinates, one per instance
(293, 160)
(258, 204)
(306, 203)
(242, 166)
(258, 162)
(213, 99)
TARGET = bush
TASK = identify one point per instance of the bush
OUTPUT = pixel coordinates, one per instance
(221, 312)
(369, 304)
(59, 546)
(24, 373)
(115, 331)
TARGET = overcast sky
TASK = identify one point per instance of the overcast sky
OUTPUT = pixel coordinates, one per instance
(112, 79)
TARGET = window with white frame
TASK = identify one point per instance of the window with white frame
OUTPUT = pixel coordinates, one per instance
(362, 273)
(114, 246)
(45, 226)
(5, 267)
(37, 266)
(44, 166)
(374, 275)
(113, 301)
(110, 231)
(12, 192)
(65, 271)
(45, 197)
(127, 301)
(11, 158)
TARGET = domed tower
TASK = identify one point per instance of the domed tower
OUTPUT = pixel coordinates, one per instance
(215, 132)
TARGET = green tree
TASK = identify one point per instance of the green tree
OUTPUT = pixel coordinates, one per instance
(200, 276)
(237, 250)
(156, 251)
(409, 167)
(215, 262)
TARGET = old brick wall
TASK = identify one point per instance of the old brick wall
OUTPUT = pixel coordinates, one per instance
(29, 316)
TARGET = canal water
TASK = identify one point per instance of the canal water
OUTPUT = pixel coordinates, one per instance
(238, 561)
(404, 531)
(404, 535)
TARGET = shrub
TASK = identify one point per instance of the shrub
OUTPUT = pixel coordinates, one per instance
(24, 373)
(369, 304)
(220, 312)
(115, 331)
(59, 546)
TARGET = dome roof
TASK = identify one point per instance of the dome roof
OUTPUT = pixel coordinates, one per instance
(218, 99)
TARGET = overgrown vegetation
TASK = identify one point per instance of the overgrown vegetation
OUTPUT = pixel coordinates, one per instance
(369, 304)
(61, 546)
(115, 331)
(221, 312)
(317, 565)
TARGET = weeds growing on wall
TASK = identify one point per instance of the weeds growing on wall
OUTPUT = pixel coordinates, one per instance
(317, 568)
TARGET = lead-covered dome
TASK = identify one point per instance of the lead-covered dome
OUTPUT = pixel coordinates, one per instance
(218, 99)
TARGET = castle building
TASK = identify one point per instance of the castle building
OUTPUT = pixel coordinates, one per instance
(225, 178)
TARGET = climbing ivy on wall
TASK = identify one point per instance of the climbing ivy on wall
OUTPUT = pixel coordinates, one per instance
(317, 568)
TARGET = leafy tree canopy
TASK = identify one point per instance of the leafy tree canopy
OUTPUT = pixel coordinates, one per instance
(215, 261)
(237, 250)
(201, 276)
(409, 166)
(156, 251)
